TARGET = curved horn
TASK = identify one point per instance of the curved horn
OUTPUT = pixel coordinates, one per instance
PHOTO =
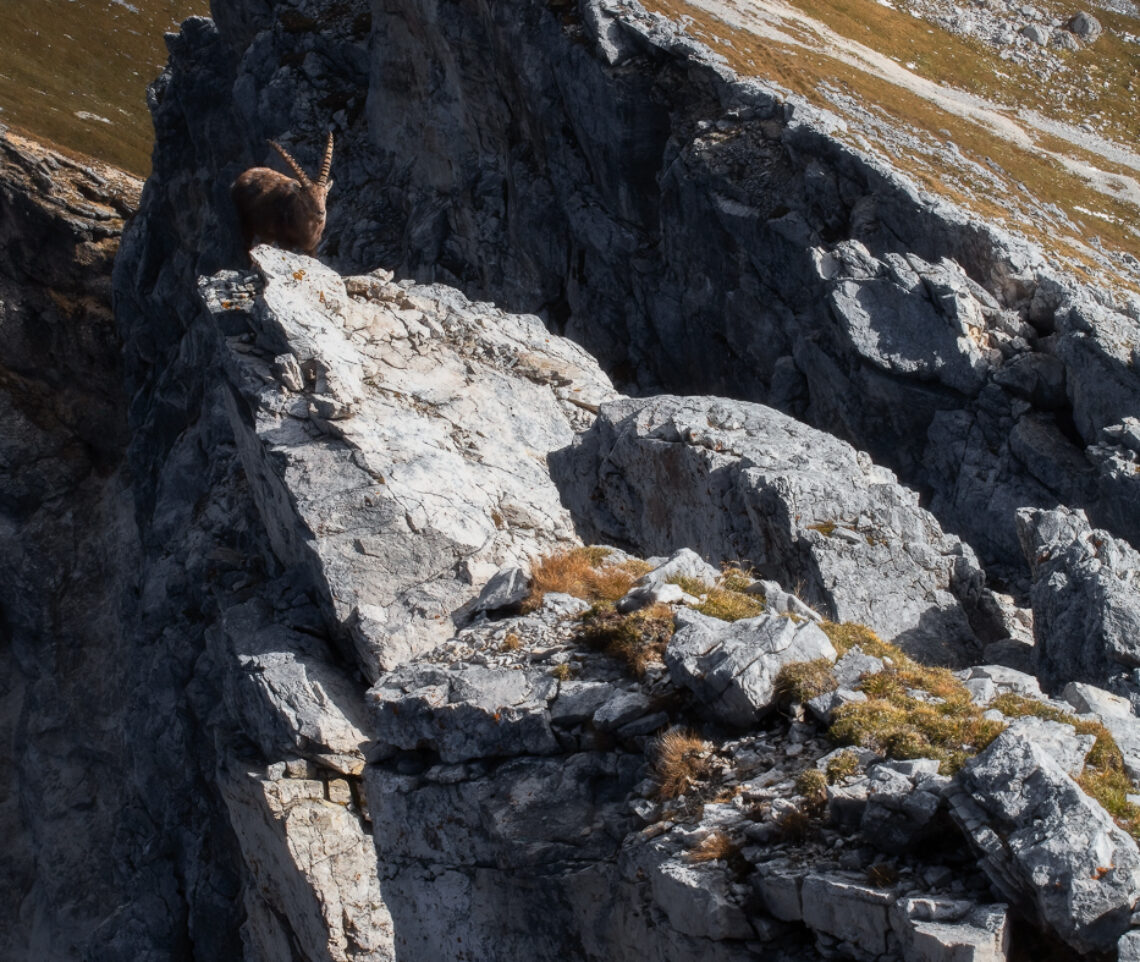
(326, 164)
(293, 165)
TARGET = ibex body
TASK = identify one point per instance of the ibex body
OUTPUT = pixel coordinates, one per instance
(282, 210)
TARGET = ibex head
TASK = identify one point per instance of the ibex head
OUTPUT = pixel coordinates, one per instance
(280, 210)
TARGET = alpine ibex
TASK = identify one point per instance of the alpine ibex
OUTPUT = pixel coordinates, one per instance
(280, 210)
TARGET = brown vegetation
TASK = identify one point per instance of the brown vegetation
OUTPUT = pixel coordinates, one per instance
(638, 638)
(717, 845)
(584, 573)
(681, 760)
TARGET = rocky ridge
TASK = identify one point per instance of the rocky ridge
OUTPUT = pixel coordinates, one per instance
(507, 755)
(336, 732)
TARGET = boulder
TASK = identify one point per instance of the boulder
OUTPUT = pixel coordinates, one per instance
(1046, 845)
(1086, 598)
(732, 666)
(505, 591)
(742, 481)
(1085, 26)
(684, 563)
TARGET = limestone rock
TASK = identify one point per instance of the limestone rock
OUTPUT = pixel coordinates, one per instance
(933, 930)
(1086, 598)
(316, 889)
(735, 480)
(849, 910)
(1085, 26)
(506, 589)
(1046, 845)
(389, 502)
(901, 806)
(463, 713)
(684, 563)
(288, 695)
(1059, 741)
(1116, 714)
(694, 899)
(731, 666)
(878, 305)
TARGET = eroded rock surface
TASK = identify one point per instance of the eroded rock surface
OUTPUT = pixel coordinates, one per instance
(742, 481)
(296, 487)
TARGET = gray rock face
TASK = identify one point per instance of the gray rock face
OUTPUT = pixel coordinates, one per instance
(742, 481)
(901, 806)
(932, 930)
(903, 322)
(1116, 714)
(284, 692)
(67, 528)
(1046, 845)
(1086, 598)
(849, 910)
(389, 503)
(305, 485)
(463, 714)
(732, 666)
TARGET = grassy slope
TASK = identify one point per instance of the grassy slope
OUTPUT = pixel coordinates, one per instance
(1026, 187)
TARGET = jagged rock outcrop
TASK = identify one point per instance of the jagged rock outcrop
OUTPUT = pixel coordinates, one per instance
(1086, 605)
(696, 231)
(1044, 846)
(741, 481)
(270, 530)
(431, 419)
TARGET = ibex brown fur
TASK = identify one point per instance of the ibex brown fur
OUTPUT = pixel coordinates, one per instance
(280, 210)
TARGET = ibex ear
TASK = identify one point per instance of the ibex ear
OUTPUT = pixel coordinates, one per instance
(329, 186)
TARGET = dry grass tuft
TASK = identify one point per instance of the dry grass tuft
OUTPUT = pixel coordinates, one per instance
(681, 761)
(511, 642)
(811, 783)
(727, 599)
(846, 635)
(715, 846)
(882, 875)
(583, 573)
(795, 824)
(842, 766)
(728, 604)
(638, 639)
(563, 671)
(912, 710)
(801, 681)
(735, 578)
